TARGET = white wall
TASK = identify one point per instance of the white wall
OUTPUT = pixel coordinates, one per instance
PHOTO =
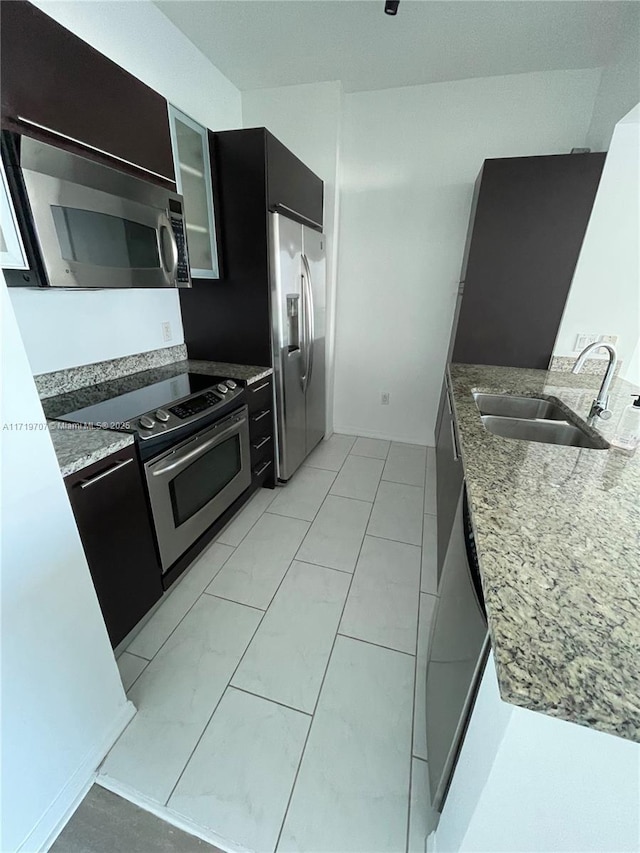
(619, 89)
(605, 292)
(63, 704)
(63, 329)
(409, 159)
(307, 119)
(542, 785)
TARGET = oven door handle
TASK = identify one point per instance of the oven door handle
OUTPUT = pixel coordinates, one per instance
(198, 451)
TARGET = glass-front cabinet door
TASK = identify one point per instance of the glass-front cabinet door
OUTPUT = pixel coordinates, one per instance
(193, 177)
(12, 255)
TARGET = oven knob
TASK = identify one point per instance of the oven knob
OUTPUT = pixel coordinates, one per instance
(146, 422)
(230, 384)
(162, 415)
(222, 388)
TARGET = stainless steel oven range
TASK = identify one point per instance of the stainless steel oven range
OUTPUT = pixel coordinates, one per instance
(192, 433)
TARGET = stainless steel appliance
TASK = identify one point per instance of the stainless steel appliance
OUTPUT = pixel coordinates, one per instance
(192, 433)
(458, 649)
(298, 310)
(93, 226)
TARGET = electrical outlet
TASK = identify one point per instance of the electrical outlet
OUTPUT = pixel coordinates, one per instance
(609, 339)
(384, 398)
(166, 331)
(584, 340)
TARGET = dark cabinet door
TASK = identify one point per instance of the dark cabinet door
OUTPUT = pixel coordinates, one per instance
(292, 187)
(529, 218)
(52, 78)
(110, 507)
(449, 476)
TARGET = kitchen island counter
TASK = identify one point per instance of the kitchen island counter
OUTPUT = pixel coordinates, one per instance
(558, 538)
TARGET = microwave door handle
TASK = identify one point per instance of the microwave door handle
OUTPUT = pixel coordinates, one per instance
(198, 451)
(170, 267)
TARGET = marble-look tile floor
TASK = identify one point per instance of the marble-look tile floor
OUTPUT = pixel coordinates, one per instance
(280, 686)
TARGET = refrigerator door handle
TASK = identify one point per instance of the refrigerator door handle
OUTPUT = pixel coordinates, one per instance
(305, 336)
(309, 317)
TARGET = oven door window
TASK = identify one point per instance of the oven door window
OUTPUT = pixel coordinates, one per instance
(205, 478)
(102, 240)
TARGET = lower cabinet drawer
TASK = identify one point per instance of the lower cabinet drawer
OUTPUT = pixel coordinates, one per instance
(260, 395)
(261, 423)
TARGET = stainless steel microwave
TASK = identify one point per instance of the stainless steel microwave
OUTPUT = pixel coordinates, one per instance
(93, 226)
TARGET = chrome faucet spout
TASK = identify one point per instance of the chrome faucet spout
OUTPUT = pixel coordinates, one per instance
(600, 406)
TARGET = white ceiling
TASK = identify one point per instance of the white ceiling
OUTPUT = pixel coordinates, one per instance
(264, 43)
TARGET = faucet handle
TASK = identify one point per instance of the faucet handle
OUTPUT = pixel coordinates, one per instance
(600, 409)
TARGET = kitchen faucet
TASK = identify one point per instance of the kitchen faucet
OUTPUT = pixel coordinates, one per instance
(600, 406)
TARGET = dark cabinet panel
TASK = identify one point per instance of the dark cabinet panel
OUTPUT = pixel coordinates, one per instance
(110, 507)
(529, 218)
(229, 319)
(449, 475)
(52, 78)
(292, 187)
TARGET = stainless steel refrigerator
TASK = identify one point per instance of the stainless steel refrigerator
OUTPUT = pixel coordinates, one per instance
(298, 311)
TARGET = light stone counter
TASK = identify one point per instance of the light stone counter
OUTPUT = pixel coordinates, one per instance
(77, 446)
(558, 538)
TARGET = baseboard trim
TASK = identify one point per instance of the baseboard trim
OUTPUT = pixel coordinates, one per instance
(368, 433)
(57, 815)
(168, 815)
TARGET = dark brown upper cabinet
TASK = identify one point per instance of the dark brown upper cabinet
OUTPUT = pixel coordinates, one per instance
(528, 220)
(292, 187)
(254, 174)
(57, 87)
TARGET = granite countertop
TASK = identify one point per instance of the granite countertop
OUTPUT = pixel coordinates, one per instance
(249, 373)
(77, 447)
(558, 539)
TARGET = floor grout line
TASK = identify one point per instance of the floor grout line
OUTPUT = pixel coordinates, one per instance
(399, 541)
(257, 492)
(232, 686)
(322, 566)
(324, 676)
(165, 641)
(377, 645)
(233, 601)
(135, 654)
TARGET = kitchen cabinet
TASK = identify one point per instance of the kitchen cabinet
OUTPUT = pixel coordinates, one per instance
(57, 87)
(253, 175)
(292, 187)
(528, 220)
(261, 432)
(193, 178)
(110, 507)
(449, 473)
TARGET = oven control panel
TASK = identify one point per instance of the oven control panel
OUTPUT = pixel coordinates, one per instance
(188, 410)
(195, 405)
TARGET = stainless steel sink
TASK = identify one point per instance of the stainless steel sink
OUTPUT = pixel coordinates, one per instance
(545, 431)
(514, 406)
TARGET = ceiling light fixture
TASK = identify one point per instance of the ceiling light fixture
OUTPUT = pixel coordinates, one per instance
(391, 7)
